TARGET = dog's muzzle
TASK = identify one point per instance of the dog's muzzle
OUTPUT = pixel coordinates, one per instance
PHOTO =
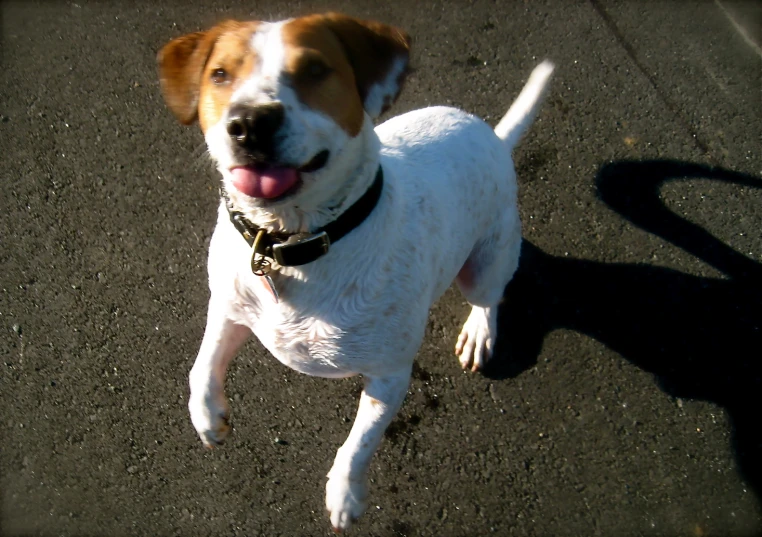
(252, 130)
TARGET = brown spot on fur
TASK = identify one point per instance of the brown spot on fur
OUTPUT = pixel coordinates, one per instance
(232, 53)
(358, 54)
(466, 276)
(391, 310)
(311, 45)
(181, 62)
(186, 64)
(373, 401)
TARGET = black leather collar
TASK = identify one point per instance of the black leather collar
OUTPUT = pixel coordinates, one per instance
(290, 250)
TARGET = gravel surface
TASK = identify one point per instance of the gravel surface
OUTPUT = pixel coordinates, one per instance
(625, 396)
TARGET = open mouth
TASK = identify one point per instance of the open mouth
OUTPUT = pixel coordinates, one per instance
(317, 162)
(273, 181)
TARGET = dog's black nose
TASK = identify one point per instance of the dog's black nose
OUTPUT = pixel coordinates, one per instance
(253, 127)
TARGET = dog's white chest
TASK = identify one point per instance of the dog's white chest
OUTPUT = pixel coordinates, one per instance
(314, 328)
(307, 344)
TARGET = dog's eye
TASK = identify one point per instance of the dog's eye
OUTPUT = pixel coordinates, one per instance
(219, 76)
(316, 69)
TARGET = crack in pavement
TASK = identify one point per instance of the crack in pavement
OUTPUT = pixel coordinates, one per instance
(630, 50)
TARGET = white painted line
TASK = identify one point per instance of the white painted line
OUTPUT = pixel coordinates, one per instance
(740, 29)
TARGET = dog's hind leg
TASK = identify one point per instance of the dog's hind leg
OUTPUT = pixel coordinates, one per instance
(482, 280)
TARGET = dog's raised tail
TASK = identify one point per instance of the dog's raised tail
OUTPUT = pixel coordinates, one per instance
(524, 109)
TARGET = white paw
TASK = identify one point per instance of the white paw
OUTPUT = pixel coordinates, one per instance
(474, 346)
(210, 416)
(345, 501)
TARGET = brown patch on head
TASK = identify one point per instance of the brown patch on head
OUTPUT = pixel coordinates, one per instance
(373, 401)
(335, 61)
(320, 73)
(234, 56)
(186, 65)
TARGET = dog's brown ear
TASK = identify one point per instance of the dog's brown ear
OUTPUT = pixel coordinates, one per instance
(379, 55)
(181, 64)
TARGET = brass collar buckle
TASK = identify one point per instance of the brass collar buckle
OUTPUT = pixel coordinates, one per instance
(298, 250)
(260, 265)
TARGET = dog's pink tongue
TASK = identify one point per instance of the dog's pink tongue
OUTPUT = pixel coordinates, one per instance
(268, 183)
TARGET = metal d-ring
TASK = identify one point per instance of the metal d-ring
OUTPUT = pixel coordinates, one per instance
(260, 266)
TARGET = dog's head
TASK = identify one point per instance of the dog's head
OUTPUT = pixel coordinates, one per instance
(278, 102)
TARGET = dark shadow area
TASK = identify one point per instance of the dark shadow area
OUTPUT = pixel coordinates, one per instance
(700, 337)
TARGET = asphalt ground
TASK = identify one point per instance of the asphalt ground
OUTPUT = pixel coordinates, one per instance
(624, 399)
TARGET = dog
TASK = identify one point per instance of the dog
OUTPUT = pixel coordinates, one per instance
(333, 237)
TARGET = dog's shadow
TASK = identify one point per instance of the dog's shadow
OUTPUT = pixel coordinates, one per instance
(701, 337)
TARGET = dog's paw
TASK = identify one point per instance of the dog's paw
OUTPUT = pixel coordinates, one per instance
(211, 418)
(474, 346)
(345, 500)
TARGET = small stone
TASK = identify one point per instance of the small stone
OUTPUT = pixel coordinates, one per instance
(132, 469)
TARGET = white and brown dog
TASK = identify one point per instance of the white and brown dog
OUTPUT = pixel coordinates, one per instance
(333, 238)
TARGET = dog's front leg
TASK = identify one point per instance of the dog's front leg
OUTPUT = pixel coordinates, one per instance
(208, 405)
(347, 488)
